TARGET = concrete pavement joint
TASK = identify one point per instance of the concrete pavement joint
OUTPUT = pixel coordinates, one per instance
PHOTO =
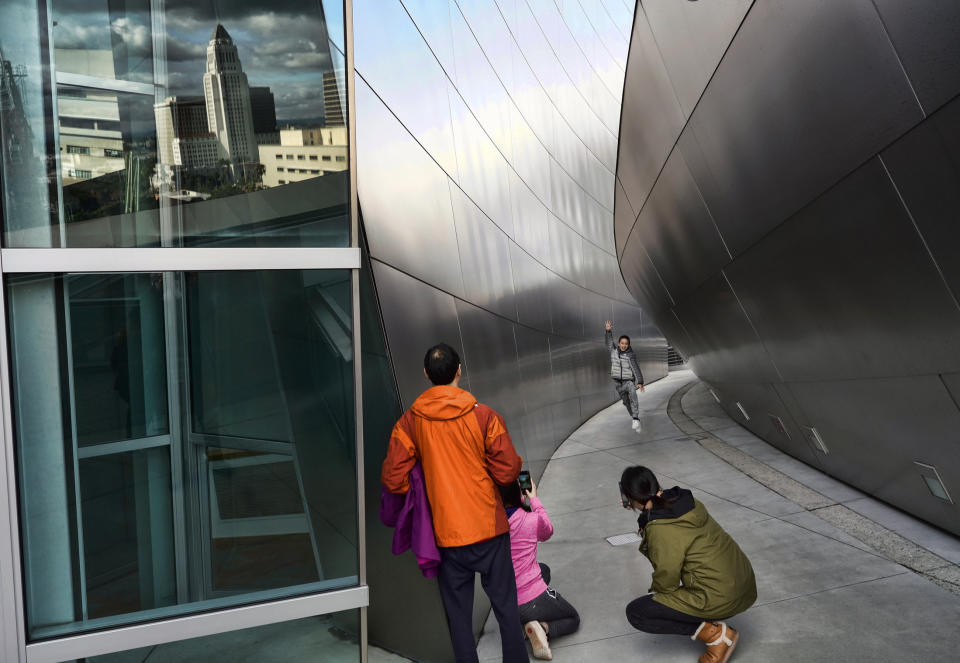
(887, 543)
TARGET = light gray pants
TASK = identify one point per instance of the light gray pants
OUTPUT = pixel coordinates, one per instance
(627, 390)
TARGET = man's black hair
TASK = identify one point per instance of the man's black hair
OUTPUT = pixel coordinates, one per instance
(624, 337)
(441, 363)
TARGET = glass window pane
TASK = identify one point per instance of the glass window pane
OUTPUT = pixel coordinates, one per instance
(323, 639)
(118, 357)
(108, 39)
(251, 496)
(191, 159)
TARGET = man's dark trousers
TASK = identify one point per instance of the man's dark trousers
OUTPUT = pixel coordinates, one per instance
(458, 568)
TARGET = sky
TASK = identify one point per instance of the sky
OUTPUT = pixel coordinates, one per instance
(281, 43)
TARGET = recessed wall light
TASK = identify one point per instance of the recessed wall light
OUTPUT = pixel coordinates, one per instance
(745, 415)
(934, 483)
(715, 397)
(778, 424)
(815, 440)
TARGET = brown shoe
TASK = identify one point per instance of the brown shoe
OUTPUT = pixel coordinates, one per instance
(538, 640)
(720, 640)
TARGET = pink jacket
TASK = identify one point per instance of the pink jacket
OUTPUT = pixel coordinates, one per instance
(526, 529)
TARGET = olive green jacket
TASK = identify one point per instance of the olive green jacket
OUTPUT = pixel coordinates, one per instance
(697, 568)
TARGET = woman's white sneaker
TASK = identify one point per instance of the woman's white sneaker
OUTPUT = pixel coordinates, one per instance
(538, 639)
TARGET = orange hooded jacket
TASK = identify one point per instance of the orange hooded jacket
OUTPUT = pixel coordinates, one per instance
(465, 449)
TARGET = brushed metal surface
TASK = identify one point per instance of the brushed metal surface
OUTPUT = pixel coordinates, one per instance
(776, 129)
(841, 318)
(925, 167)
(482, 170)
(692, 37)
(725, 345)
(531, 281)
(393, 59)
(396, 231)
(566, 309)
(876, 429)
(600, 269)
(642, 279)
(837, 198)
(924, 32)
(490, 349)
(484, 257)
(566, 251)
(624, 217)
(678, 232)
(651, 119)
(415, 316)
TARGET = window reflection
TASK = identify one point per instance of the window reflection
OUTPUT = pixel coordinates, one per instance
(235, 481)
(165, 114)
(103, 38)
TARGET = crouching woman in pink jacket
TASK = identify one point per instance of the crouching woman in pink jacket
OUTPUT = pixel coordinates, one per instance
(544, 613)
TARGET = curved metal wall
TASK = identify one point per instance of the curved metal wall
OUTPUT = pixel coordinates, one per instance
(787, 213)
(486, 140)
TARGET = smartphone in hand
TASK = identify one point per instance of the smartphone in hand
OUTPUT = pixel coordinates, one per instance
(524, 479)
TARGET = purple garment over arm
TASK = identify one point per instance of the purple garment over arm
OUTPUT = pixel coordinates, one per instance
(412, 519)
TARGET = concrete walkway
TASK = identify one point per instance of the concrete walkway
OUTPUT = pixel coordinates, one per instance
(856, 583)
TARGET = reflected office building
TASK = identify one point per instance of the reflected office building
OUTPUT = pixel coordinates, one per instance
(229, 232)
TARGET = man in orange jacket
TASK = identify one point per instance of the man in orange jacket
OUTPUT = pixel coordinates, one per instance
(465, 450)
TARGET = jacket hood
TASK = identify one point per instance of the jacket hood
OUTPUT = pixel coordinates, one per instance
(443, 402)
(684, 509)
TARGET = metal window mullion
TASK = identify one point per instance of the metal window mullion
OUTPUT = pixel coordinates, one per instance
(12, 626)
(123, 446)
(74, 450)
(355, 301)
(130, 260)
(195, 626)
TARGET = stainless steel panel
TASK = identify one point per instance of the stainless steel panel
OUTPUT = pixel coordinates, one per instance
(491, 32)
(415, 316)
(432, 19)
(401, 207)
(532, 282)
(490, 350)
(566, 251)
(566, 311)
(925, 166)
(576, 65)
(692, 37)
(725, 346)
(876, 429)
(843, 318)
(924, 32)
(598, 46)
(393, 59)
(596, 309)
(642, 279)
(776, 129)
(482, 169)
(651, 118)
(761, 401)
(626, 320)
(530, 157)
(600, 269)
(538, 393)
(676, 229)
(532, 220)
(478, 84)
(564, 360)
(484, 257)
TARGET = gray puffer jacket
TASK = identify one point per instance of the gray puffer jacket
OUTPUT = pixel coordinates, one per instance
(623, 365)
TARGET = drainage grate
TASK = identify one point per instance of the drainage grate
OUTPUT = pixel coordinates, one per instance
(623, 539)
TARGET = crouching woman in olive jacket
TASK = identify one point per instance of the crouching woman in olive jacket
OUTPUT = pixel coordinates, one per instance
(700, 575)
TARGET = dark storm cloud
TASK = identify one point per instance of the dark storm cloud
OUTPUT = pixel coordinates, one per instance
(281, 43)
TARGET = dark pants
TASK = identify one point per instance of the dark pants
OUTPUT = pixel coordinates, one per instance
(550, 607)
(458, 568)
(645, 614)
